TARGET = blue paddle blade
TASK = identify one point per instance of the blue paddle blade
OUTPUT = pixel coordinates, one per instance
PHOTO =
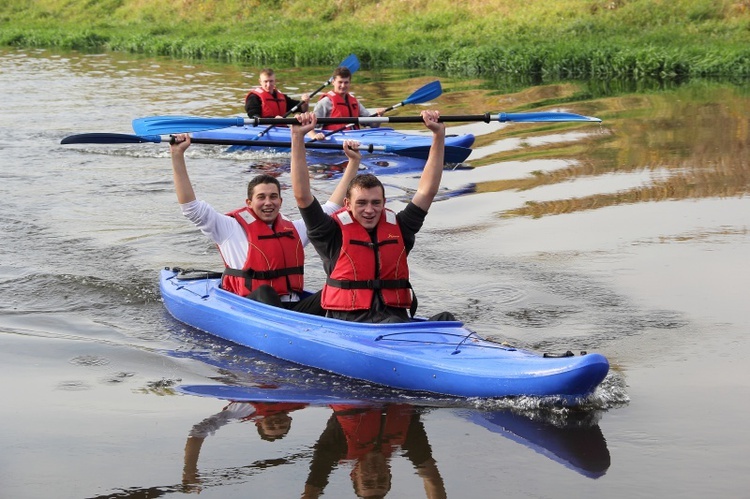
(428, 92)
(542, 117)
(453, 154)
(162, 125)
(351, 62)
(456, 154)
(109, 138)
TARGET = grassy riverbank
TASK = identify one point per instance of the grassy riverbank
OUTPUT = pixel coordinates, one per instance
(567, 38)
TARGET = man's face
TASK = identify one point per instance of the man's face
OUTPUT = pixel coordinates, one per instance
(341, 85)
(371, 476)
(366, 205)
(275, 426)
(266, 202)
(268, 83)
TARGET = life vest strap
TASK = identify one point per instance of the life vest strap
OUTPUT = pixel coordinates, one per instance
(370, 284)
(264, 274)
(276, 235)
(373, 245)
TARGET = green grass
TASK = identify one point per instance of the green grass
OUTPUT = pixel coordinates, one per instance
(563, 39)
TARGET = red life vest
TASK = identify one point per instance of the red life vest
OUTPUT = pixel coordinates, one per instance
(373, 429)
(265, 409)
(342, 108)
(274, 256)
(363, 267)
(271, 106)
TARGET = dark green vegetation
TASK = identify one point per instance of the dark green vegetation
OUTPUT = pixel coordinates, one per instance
(664, 39)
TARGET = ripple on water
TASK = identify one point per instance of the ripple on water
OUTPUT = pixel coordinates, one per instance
(116, 378)
(73, 386)
(501, 293)
(541, 316)
(89, 361)
(608, 314)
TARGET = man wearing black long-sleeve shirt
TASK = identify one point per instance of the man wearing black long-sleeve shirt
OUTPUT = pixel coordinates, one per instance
(364, 246)
(266, 101)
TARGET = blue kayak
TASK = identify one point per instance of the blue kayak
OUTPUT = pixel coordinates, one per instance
(393, 140)
(426, 356)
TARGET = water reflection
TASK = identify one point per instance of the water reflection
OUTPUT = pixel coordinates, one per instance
(272, 420)
(363, 437)
(689, 143)
(578, 443)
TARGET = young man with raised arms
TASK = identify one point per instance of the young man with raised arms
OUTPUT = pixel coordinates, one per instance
(262, 250)
(364, 245)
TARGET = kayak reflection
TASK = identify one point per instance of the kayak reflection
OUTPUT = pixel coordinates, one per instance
(576, 442)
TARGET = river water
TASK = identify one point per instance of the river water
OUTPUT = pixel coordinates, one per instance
(632, 241)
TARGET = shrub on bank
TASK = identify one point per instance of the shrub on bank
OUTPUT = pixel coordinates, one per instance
(569, 38)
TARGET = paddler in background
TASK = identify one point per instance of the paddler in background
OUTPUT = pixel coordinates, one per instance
(266, 101)
(340, 103)
(263, 251)
(364, 245)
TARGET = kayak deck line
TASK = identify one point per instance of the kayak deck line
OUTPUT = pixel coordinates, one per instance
(464, 339)
(190, 290)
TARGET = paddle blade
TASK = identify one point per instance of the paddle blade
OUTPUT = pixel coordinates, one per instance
(453, 154)
(428, 92)
(456, 154)
(164, 125)
(351, 62)
(543, 117)
(109, 138)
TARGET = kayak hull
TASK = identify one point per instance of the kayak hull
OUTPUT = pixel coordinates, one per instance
(438, 357)
(382, 136)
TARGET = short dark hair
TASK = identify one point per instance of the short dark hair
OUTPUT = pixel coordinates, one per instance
(364, 181)
(267, 72)
(342, 71)
(263, 178)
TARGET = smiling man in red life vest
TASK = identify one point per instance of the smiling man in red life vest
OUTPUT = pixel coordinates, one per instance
(262, 250)
(364, 246)
(340, 103)
(266, 101)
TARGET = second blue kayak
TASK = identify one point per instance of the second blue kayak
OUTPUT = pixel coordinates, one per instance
(382, 136)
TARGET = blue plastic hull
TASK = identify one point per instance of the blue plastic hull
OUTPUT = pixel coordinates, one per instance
(384, 136)
(439, 357)
(332, 161)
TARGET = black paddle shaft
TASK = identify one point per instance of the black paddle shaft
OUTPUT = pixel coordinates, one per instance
(486, 117)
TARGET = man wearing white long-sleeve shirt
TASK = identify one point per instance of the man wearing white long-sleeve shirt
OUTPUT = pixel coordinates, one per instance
(262, 250)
